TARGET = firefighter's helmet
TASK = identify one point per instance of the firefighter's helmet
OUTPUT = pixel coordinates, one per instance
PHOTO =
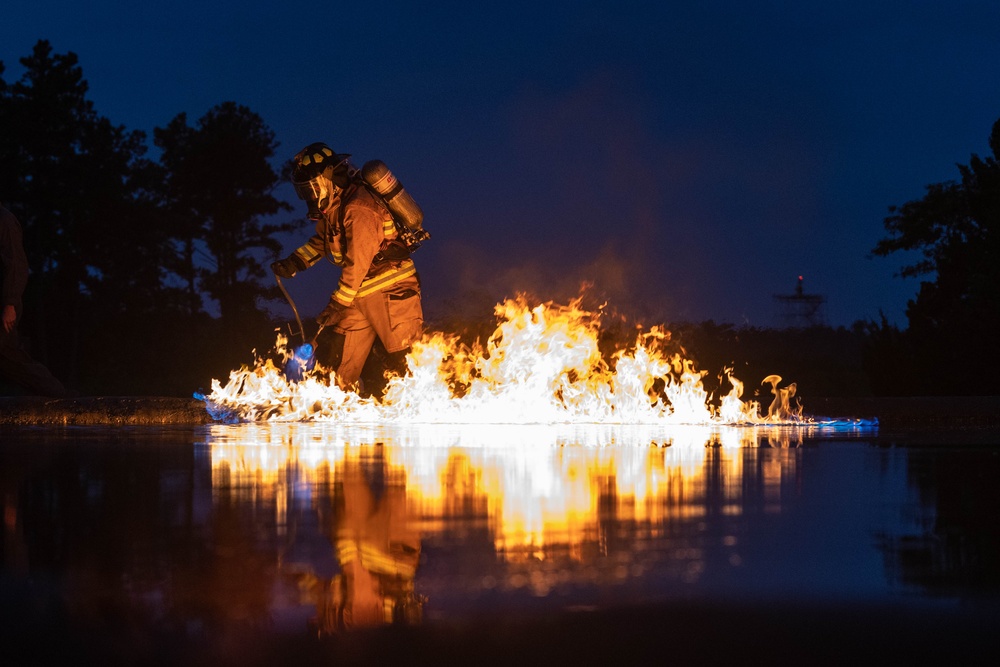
(319, 176)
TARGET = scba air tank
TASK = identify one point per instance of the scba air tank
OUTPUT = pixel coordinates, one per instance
(399, 201)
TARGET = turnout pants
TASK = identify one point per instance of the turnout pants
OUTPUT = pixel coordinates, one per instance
(394, 316)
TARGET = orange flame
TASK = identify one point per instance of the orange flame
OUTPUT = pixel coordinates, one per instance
(542, 365)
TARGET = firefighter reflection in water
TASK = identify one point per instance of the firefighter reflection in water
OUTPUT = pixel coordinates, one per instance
(378, 295)
(376, 549)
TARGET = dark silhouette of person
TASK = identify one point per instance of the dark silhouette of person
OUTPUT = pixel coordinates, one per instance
(16, 365)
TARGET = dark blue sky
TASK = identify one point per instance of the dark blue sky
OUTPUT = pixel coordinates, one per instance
(692, 159)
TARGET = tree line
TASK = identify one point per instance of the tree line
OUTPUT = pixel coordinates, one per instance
(148, 275)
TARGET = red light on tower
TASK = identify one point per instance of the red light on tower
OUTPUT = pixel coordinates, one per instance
(800, 309)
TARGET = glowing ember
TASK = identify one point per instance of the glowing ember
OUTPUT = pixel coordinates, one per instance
(541, 365)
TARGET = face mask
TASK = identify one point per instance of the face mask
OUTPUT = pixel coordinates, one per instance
(318, 192)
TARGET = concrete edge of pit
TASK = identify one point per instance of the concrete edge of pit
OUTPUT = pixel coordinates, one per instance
(102, 411)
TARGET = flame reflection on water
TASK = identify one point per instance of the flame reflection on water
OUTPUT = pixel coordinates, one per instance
(540, 492)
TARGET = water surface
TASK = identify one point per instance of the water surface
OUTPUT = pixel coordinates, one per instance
(307, 530)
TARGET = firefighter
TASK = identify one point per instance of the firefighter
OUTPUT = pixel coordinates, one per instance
(378, 294)
(16, 364)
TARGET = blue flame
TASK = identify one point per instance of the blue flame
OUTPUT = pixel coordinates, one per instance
(300, 363)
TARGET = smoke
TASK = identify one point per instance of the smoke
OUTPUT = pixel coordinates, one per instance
(584, 188)
(481, 277)
(596, 185)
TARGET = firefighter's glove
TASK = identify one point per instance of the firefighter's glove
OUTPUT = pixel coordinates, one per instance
(288, 267)
(333, 313)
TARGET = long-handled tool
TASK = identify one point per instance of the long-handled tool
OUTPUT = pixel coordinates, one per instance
(288, 298)
(303, 358)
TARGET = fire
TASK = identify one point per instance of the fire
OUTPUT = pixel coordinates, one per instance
(543, 364)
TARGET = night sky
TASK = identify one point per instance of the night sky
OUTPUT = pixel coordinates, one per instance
(692, 159)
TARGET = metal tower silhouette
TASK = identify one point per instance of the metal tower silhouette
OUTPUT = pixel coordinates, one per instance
(800, 310)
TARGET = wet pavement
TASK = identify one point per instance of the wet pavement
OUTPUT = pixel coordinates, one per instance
(183, 542)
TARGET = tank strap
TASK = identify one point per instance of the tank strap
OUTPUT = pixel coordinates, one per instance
(341, 231)
(360, 181)
(391, 250)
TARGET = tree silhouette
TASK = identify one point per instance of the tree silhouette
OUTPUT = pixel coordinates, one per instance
(68, 174)
(955, 316)
(219, 187)
(123, 251)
